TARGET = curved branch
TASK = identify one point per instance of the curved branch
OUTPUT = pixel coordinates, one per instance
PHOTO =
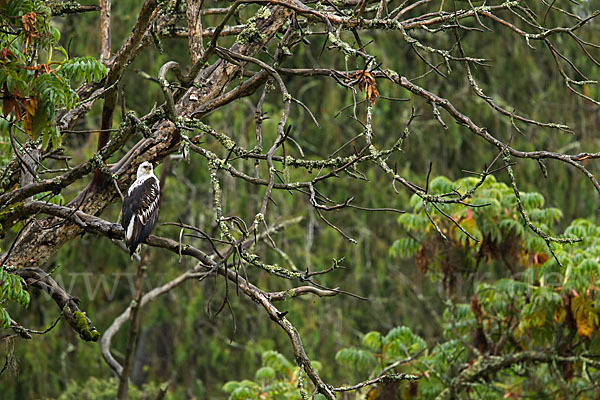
(165, 139)
(112, 230)
(70, 7)
(381, 379)
(462, 119)
(300, 291)
(60, 182)
(78, 320)
(125, 315)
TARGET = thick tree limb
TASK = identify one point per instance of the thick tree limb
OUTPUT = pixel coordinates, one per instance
(165, 140)
(106, 40)
(70, 7)
(95, 224)
(78, 320)
(194, 19)
(57, 183)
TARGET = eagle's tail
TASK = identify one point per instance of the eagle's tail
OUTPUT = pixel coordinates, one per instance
(132, 250)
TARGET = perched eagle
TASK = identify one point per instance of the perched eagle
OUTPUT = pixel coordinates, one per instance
(140, 207)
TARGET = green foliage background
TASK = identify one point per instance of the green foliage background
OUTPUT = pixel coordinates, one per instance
(182, 340)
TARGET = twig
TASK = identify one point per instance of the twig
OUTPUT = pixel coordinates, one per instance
(381, 379)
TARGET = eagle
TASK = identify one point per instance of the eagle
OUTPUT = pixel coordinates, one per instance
(140, 207)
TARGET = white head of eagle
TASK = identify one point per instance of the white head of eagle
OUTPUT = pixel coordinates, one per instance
(140, 207)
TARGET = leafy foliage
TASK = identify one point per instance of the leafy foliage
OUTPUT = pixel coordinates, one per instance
(11, 289)
(494, 220)
(548, 288)
(34, 81)
(543, 302)
(106, 389)
(277, 379)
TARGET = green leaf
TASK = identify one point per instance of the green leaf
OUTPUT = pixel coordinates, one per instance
(373, 341)
(277, 361)
(353, 357)
(404, 247)
(83, 68)
(230, 386)
(4, 318)
(266, 373)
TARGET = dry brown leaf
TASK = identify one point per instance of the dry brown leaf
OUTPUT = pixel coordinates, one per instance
(30, 108)
(30, 27)
(10, 103)
(368, 84)
(29, 24)
(7, 106)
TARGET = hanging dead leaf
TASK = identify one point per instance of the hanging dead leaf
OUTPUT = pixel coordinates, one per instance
(368, 84)
(10, 103)
(30, 109)
(30, 27)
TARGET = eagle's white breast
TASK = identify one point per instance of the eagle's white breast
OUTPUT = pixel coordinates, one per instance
(140, 207)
